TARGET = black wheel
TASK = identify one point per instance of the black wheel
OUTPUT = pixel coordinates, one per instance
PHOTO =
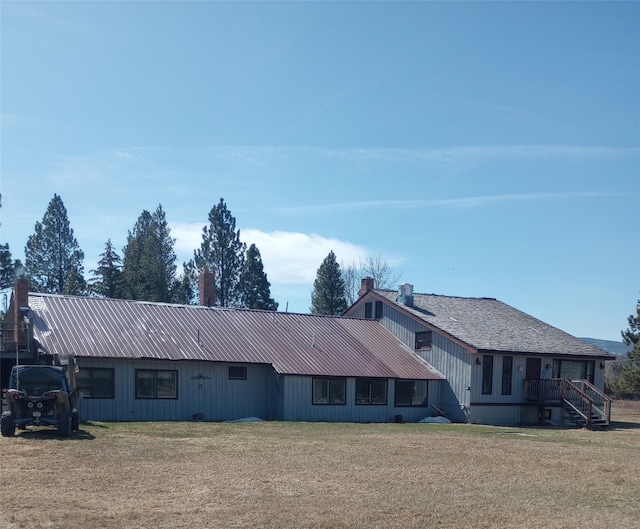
(7, 426)
(75, 421)
(64, 424)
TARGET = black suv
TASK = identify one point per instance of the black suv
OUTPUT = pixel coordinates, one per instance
(39, 395)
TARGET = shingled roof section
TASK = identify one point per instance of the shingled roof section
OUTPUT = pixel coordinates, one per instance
(297, 344)
(487, 324)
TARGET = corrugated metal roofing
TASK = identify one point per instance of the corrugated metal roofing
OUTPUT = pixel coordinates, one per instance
(491, 325)
(300, 344)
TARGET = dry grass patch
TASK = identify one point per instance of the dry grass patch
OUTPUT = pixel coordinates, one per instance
(272, 475)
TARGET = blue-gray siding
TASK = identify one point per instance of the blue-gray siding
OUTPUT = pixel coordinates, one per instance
(299, 406)
(460, 395)
(448, 357)
(204, 388)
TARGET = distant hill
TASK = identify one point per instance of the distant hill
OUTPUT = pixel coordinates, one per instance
(616, 348)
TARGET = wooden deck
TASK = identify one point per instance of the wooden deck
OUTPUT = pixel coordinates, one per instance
(583, 403)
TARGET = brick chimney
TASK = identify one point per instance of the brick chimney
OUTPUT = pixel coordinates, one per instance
(20, 301)
(366, 284)
(207, 286)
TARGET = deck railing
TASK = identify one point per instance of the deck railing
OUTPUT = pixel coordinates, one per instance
(544, 391)
(579, 396)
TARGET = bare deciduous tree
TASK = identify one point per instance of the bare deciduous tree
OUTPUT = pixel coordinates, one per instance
(373, 266)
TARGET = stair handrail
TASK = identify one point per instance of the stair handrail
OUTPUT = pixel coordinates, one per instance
(585, 399)
(604, 398)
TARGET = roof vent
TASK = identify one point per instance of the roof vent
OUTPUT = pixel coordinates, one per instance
(405, 294)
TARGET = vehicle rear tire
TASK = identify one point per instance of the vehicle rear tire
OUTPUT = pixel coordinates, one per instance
(7, 426)
(64, 424)
(75, 421)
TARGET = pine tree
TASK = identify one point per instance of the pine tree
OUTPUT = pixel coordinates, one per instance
(628, 385)
(222, 252)
(328, 296)
(52, 256)
(107, 280)
(255, 288)
(7, 267)
(182, 290)
(148, 266)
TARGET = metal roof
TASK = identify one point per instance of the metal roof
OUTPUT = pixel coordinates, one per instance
(486, 324)
(300, 344)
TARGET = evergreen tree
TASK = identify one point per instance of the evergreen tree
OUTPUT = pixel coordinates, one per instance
(222, 252)
(7, 267)
(628, 385)
(148, 266)
(107, 279)
(182, 290)
(52, 256)
(255, 288)
(328, 296)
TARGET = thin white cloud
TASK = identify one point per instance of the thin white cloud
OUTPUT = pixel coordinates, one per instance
(100, 166)
(258, 155)
(444, 155)
(462, 202)
(288, 257)
(470, 153)
(119, 159)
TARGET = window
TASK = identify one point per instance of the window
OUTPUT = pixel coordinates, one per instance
(423, 340)
(156, 384)
(368, 307)
(371, 391)
(574, 369)
(411, 392)
(507, 370)
(329, 391)
(378, 310)
(96, 383)
(237, 373)
(487, 374)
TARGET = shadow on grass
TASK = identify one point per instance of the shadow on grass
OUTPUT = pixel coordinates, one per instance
(623, 425)
(52, 435)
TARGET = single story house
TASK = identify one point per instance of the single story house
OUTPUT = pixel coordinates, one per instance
(502, 366)
(140, 361)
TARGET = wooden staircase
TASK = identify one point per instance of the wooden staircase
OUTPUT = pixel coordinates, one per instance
(585, 405)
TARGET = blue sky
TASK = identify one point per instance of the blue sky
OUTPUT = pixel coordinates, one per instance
(481, 149)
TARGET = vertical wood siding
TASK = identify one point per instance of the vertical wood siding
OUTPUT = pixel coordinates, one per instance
(299, 407)
(496, 408)
(203, 387)
(446, 356)
(460, 395)
(456, 363)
